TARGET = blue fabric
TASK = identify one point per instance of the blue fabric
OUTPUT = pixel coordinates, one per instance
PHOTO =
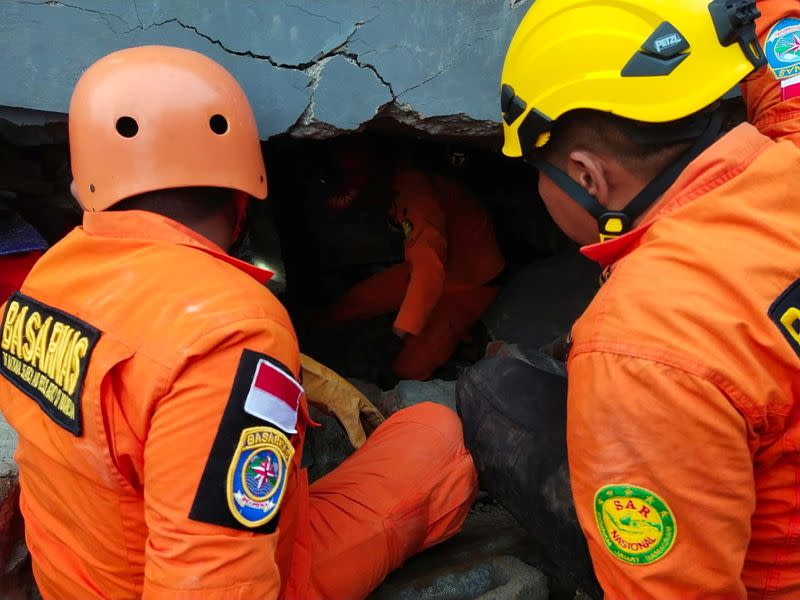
(18, 236)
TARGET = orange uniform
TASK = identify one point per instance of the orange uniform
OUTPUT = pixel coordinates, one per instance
(128, 364)
(441, 290)
(684, 374)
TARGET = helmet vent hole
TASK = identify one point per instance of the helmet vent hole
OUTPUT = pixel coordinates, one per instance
(218, 124)
(261, 178)
(127, 127)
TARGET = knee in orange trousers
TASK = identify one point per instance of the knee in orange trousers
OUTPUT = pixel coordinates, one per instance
(408, 488)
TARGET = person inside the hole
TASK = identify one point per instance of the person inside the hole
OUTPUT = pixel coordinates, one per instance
(679, 428)
(452, 259)
(153, 379)
(20, 247)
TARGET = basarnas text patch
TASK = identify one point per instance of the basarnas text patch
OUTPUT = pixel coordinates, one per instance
(45, 352)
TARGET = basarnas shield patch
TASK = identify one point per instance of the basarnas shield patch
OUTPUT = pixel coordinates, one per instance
(257, 475)
(782, 48)
(636, 525)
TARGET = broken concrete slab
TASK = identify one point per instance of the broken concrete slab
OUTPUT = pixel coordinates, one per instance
(500, 578)
(444, 60)
(360, 89)
(492, 558)
(409, 393)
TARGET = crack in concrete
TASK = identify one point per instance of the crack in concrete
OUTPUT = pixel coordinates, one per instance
(215, 42)
(313, 14)
(363, 65)
(319, 59)
(313, 68)
(138, 16)
(443, 69)
(105, 16)
(314, 74)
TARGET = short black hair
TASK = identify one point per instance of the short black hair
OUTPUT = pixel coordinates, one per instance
(180, 204)
(601, 131)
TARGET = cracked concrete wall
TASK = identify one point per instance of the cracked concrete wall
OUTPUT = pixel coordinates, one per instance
(311, 67)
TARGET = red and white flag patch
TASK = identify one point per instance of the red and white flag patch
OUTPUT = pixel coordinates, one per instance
(790, 88)
(274, 397)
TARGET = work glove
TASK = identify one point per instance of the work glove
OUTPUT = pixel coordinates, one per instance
(330, 392)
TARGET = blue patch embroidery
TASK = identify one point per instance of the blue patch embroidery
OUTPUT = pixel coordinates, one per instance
(257, 475)
(782, 48)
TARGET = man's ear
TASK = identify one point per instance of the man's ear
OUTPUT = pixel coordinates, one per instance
(589, 170)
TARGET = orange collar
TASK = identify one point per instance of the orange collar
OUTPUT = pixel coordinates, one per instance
(727, 157)
(138, 224)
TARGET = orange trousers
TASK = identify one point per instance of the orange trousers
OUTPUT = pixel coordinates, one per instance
(406, 489)
(452, 318)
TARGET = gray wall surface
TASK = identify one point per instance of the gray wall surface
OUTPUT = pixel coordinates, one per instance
(301, 63)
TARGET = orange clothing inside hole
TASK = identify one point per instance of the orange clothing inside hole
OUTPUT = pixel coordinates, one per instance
(444, 286)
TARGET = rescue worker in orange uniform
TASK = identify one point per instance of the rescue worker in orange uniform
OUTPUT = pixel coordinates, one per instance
(683, 403)
(20, 248)
(153, 379)
(451, 260)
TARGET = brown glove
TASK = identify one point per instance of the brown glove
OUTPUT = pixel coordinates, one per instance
(329, 391)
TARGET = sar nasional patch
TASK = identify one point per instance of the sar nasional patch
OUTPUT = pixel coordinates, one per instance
(257, 475)
(45, 352)
(636, 525)
(782, 48)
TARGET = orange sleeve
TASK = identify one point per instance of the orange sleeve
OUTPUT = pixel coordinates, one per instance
(662, 478)
(761, 91)
(418, 211)
(187, 558)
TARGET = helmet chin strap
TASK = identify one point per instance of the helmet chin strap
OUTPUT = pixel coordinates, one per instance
(614, 223)
(242, 201)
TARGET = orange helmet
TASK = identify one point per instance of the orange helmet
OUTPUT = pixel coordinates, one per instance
(156, 117)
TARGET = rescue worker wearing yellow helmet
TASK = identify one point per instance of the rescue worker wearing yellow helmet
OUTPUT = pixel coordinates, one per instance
(154, 380)
(683, 405)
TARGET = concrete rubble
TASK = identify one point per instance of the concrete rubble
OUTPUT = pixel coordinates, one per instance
(311, 68)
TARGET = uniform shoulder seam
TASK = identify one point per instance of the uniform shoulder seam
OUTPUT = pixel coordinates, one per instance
(754, 414)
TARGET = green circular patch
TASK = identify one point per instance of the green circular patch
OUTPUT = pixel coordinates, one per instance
(636, 525)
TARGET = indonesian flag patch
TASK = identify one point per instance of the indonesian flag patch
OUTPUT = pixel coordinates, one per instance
(790, 88)
(274, 396)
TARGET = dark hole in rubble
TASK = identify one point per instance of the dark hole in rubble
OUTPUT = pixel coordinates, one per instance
(324, 252)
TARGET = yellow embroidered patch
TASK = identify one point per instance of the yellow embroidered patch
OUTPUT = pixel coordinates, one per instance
(635, 524)
(44, 352)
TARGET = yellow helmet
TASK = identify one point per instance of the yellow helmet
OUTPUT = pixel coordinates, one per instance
(647, 60)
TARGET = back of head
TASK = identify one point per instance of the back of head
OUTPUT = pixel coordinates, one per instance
(157, 118)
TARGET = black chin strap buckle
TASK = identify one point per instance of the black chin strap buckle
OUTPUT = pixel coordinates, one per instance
(613, 224)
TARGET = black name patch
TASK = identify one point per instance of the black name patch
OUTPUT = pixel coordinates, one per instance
(45, 352)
